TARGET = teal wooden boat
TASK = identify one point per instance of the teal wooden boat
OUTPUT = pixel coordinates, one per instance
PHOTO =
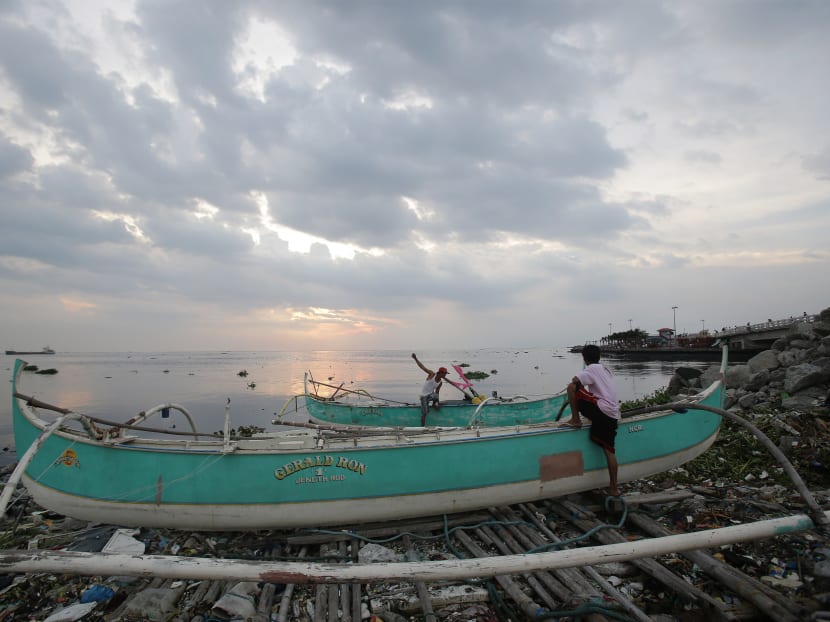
(325, 475)
(351, 407)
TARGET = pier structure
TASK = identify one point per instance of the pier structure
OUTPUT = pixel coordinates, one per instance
(744, 341)
(761, 336)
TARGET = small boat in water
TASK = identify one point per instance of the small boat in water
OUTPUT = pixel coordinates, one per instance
(45, 350)
(350, 407)
(312, 474)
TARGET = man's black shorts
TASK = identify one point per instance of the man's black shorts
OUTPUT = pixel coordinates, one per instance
(603, 427)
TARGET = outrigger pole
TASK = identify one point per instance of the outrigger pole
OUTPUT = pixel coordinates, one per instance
(177, 567)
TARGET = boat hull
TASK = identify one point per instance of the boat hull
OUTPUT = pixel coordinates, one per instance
(300, 478)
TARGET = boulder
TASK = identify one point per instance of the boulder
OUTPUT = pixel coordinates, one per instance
(763, 361)
(758, 381)
(805, 375)
(748, 401)
(737, 376)
(807, 399)
(688, 373)
(802, 330)
(788, 358)
(802, 344)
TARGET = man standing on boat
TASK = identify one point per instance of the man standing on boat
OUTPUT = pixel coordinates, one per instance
(600, 405)
(432, 385)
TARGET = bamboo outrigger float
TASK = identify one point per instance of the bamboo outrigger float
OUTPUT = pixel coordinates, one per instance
(176, 567)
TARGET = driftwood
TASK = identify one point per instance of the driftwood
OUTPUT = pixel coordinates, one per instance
(767, 600)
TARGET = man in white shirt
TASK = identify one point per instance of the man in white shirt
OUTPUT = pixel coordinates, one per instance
(429, 392)
(600, 405)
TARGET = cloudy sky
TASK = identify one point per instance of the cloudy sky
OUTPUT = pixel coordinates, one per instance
(199, 175)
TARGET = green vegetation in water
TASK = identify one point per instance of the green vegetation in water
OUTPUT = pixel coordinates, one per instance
(51, 371)
(30, 368)
(660, 396)
(244, 431)
(477, 375)
(243, 373)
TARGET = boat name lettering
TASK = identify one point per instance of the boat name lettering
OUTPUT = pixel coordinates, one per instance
(635, 428)
(310, 462)
(317, 479)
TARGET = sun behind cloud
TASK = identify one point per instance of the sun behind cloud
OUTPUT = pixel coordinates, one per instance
(77, 306)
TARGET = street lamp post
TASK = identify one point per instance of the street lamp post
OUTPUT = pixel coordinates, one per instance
(629, 324)
(703, 326)
(674, 325)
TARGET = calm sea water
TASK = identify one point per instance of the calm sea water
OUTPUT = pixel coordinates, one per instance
(117, 386)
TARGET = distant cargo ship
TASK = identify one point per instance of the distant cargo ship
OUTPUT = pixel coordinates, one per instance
(46, 350)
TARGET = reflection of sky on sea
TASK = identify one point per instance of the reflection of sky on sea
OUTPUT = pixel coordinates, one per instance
(117, 386)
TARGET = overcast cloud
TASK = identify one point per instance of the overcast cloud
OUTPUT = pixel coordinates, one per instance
(199, 175)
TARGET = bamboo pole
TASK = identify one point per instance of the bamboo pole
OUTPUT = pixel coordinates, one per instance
(177, 567)
(524, 601)
(285, 602)
(345, 588)
(420, 586)
(534, 579)
(621, 599)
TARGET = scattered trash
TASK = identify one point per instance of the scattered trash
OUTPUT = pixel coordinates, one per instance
(122, 541)
(97, 594)
(237, 603)
(71, 613)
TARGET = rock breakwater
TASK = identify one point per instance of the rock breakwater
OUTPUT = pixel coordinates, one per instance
(794, 374)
